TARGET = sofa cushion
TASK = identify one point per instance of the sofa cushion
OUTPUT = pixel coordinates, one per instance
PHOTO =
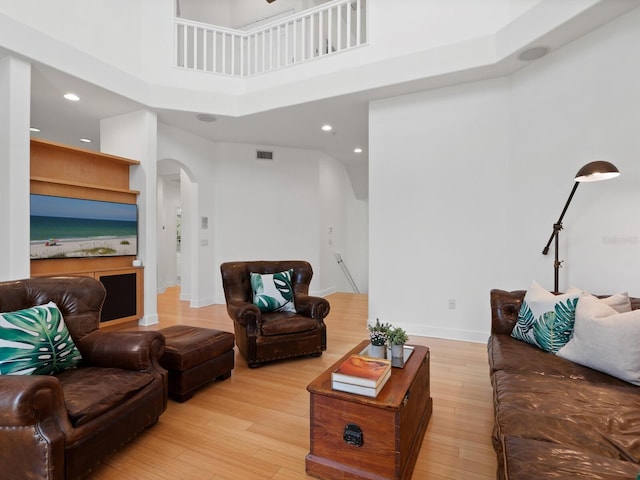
(599, 418)
(282, 323)
(90, 392)
(506, 353)
(528, 459)
(605, 340)
(272, 292)
(36, 341)
(546, 320)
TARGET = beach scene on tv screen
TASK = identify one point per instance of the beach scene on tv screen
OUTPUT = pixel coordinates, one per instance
(70, 227)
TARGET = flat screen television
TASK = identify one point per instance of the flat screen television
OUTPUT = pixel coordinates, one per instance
(63, 227)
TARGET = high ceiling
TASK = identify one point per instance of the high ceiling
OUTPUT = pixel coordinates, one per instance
(297, 126)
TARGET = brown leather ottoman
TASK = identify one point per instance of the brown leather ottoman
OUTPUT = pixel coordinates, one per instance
(195, 356)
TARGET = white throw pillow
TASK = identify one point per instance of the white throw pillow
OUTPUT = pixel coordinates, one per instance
(546, 320)
(620, 302)
(605, 340)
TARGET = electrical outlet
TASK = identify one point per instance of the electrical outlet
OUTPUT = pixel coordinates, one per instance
(452, 304)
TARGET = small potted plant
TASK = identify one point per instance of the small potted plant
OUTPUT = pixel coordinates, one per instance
(378, 334)
(397, 337)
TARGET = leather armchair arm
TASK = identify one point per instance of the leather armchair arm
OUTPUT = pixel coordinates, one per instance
(31, 399)
(130, 350)
(245, 313)
(33, 427)
(314, 307)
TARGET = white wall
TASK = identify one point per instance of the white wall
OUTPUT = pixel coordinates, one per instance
(466, 183)
(580, 104)
(260, 209)
(437, 207)
(109, 30)
(266, 209)
(15, 83)
(206, 11)
(244, 14)
(434, 22)
(134, 135)
(343, 229)
(356, 250)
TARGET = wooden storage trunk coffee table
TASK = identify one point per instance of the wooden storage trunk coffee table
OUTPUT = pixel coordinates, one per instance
(356, 437)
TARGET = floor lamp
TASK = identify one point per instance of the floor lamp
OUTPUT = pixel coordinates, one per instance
(591, 172)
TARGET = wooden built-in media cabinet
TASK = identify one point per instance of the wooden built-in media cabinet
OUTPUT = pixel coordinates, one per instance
(66, 171)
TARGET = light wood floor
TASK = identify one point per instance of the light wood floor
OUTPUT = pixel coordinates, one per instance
(255, 425)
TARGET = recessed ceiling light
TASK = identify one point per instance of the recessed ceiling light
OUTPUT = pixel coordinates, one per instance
(71, 96)
(327, 128)
(85, 140)
(533, 53)
(34, 129)
(206, 117)
(357, 150)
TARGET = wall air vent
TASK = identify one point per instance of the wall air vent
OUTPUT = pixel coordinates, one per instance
(264, 155)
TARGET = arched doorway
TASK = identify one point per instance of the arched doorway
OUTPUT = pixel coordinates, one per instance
(177, 211)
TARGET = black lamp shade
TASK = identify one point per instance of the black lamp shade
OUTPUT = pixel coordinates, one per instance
(596, 171)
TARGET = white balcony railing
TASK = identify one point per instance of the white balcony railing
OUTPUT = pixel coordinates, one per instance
(325, 30)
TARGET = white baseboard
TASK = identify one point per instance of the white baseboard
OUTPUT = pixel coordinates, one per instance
(474, 336)
(148, 320)
(163, 288)
(203, 302)
(453, 334)
(323, 293)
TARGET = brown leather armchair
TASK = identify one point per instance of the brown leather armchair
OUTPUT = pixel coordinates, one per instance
(60, 426)
(263, 337)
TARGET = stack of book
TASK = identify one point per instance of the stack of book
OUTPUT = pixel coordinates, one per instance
(361, 375)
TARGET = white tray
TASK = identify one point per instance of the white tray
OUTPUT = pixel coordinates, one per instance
(395, 361)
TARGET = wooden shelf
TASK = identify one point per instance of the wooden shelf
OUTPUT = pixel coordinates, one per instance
(68, 149)
(66, 171)
(83, 185)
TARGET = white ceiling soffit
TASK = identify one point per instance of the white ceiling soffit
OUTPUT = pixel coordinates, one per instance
(296, 125)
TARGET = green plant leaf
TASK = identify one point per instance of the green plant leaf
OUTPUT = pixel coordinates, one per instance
(266, 299)
(397, 336)
(525, 323)
(282, 281)
(553, 329)
(265, 303)
(256, 284)
(37, 344)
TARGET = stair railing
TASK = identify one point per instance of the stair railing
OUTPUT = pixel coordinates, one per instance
(314, 33)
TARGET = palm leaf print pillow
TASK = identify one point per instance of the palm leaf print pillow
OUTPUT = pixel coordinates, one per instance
(546, 320)
(272, 292)
(36, 341)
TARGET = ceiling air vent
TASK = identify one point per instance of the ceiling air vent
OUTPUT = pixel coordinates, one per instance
(264, 155)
